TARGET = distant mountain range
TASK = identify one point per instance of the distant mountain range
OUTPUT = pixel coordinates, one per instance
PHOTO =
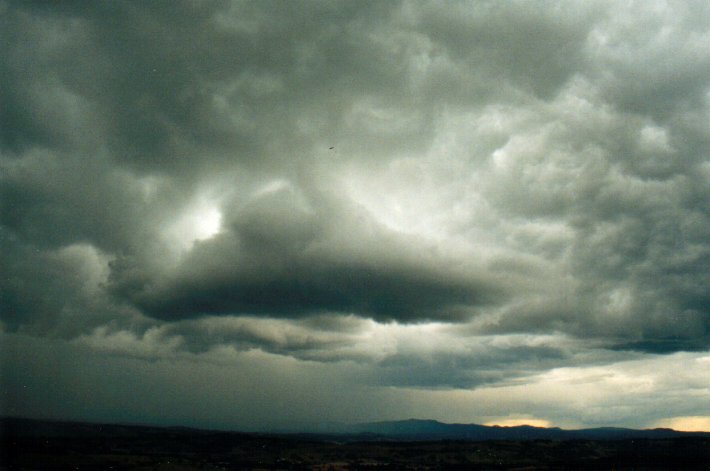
(401, 430)
(419, 430)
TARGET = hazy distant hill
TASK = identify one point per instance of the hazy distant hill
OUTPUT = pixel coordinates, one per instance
(414, 429)
(404, 430)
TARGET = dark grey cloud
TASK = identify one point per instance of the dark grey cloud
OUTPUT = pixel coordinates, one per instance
(536, 48)
(283, 257)
(120, 114)
(169, 81)
(322, 182)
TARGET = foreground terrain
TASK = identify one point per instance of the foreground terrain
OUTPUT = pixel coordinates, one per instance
(39, 445)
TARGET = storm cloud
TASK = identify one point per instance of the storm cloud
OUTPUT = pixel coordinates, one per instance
(432, 197)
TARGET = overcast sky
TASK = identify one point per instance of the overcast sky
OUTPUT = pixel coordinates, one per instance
(265, 214)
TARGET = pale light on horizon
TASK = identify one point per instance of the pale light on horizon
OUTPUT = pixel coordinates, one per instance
(518, 422)
(695, 423)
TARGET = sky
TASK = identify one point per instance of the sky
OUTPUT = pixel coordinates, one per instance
(263, 215)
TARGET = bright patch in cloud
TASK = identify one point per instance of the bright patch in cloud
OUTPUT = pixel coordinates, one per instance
(207, 223)
(201, 221)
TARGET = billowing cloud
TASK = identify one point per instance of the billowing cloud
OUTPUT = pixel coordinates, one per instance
(434, 198)
(283, 255)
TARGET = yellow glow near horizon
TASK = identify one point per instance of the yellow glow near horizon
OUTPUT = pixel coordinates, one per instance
(695, 423)
(517, 422)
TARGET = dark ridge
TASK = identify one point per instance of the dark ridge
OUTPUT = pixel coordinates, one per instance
(62, 445)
